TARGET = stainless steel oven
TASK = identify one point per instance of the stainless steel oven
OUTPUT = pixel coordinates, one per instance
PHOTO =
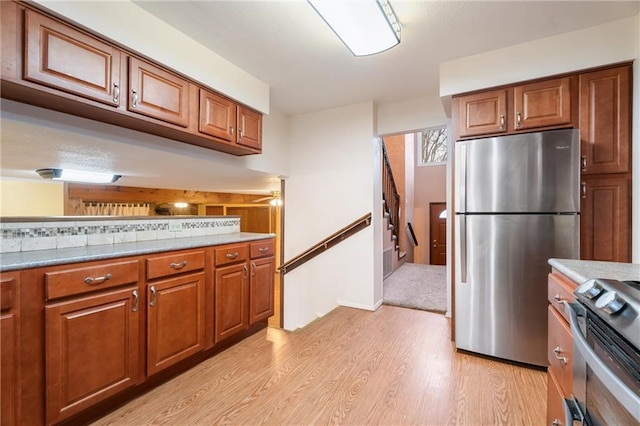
(605, 323)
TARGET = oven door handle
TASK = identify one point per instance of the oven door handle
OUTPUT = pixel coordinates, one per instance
(572, 412)
(627, 398)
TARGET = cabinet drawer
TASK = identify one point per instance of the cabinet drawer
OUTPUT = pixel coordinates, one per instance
(174, 263)
(231, 254)
(263, 249)
(560, 290)
(90, 278)
(555, 407)
(7, 291)
(560, 350)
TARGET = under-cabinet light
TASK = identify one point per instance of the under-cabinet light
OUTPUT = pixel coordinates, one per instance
(366, 27)
(180, 205)
(77, 176)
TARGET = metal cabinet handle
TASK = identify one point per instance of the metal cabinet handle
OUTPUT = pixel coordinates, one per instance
(136, 299)
(246, 271)
(99, 280)
(501, 121)
(562, 359)
(116, 93)
(232, 255)
(583, 159)
(134, 100)
(240, 133)
(253, 269)
(263, 249)
(559, 299)
(179, 265)
(518, 119)
(231, 130)
(556, 422)
(153, 296)
(583, 189)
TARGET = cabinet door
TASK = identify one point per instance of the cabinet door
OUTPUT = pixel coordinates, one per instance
(175, 320)
(482, 113)
(261, 297)
(541, 104)
(217, 116)
(555, 404)
(157, 93)
(605, 112)
(605, 223)
(63, 58)
(249, 128)
(91, 351)
(8, 351)
(231, 300)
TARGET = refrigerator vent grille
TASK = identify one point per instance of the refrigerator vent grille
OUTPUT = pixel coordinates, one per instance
(387, 262)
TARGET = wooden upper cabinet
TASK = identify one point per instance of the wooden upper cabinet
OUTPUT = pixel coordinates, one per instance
(61, 57)
(157, 93)
(605, 112)
(217, 116)
(482, 113)
(605, 225)
(249, 132)
(542, 104)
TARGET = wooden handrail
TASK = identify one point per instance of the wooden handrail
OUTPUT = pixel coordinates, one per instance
(326, 244)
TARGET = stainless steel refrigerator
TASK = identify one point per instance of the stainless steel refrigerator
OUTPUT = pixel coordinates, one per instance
(517, 204)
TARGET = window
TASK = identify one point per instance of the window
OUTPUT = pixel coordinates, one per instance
(432, 146)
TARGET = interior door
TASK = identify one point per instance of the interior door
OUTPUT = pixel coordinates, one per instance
(438, 234)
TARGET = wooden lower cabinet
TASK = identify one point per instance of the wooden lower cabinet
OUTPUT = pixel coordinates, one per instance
(262, 286)
(605, 217)
(231, 294)
(175, 320)
(91, 351)
(9, 371)
(555, 407)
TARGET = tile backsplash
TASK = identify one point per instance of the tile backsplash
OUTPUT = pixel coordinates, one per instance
(74, 232)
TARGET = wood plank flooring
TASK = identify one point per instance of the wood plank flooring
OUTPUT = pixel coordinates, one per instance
(395, 366)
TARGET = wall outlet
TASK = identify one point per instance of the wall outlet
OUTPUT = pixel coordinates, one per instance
(175, 225)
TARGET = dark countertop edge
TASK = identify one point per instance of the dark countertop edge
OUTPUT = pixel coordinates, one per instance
(41, 258)
(582, 270)
(44, 219)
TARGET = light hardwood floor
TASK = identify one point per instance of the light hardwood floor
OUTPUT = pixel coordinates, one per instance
(395, 366)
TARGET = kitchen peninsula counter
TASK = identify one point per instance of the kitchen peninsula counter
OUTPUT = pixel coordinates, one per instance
(582, 270)
(52, 257)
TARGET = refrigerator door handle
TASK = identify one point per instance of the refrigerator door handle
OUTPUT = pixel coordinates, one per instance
(461, 159)
(463, 248)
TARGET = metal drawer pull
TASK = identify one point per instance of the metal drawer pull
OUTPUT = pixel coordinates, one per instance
(153, 296)
(232, 255)
(179, 265)
(116, 93)
(135, 301)
(93, 281)
(559, 299)
(556, 422)
(562, 359)
(263, 249)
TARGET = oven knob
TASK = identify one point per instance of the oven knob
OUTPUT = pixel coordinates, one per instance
(590, 289)
(610, 302)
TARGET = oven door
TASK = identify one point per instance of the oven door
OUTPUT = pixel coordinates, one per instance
(606, 373)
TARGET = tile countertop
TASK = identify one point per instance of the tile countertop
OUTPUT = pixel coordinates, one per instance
(39, 258)
(583, 270)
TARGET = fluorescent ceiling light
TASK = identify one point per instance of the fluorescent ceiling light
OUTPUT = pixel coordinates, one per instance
(77, 176)
(366, 27)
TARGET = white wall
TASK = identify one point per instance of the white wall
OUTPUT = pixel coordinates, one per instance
(330, 184)
(409, 116)
(617, 41)
(126, 23)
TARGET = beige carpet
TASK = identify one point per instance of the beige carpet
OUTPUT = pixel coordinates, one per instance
(417, 286)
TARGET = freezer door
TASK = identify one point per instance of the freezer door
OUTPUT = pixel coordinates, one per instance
(501, 281)
(533, 172)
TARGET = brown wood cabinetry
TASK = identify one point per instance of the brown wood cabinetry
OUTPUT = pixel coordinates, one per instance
(605, 231)
(9, 366)
(158, 93)
(605, 114)
(61, 57)
(262, 281)
(542, 104)
(231, 290)
(560, 347)
(482, 113)
(91, 350)
(53, 64)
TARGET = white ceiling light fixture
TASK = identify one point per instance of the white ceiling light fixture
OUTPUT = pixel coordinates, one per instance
(77, 176)
(366, 27)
